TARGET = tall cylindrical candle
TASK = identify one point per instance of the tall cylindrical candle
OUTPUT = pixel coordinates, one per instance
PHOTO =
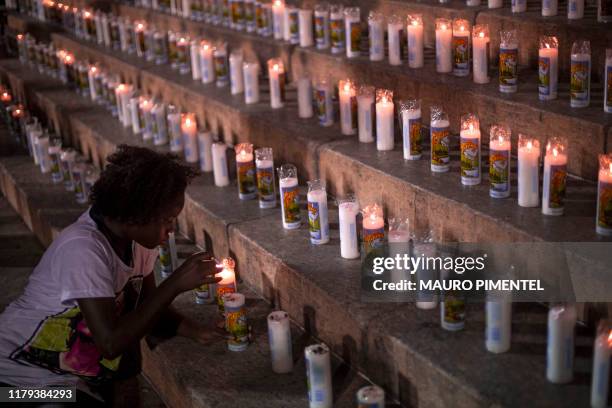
(444, 40)
(250, 72)
(189, 130)
(304, 88)
(411, 129)
(415, 41)
(555, 176)
(306, 38)
(518, 6)
(608, 82)
(395, 36)
(266, 185)
(348, 208)
(580, 81)
(601, 365)
(278, 18)
(366, 113)
(293, 24)
(481, 41)
(54, 149)
(219, 158)
(319, 376)
(245, 170)
(205, 141)
(235, 68)
(461, 47)
(279, 336)
(348, 107)
(221, 68)
(146, 106)
(508, 61)
(560, 344)
(321, 26)
(493, 4)
(318, 223)
(575, 9)
(323, 102)
(499, 324)
(385, 131)
(440, 140)
(207, 64)
(289, 194)
(376, 36)
(604, 196)
(139, 32)
(276, 74)
(528, 171)
(469, 143)
(194, 53)
(472, 3)
(550, 8)
(182, 55)
(548, 72)
(373, 228)
(136, 113)
(336, 28)
(175, 132)
(352, 28)
(227, 284)
(499, 162)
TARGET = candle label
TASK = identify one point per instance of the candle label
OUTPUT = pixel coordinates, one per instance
(580, 78)
(56, 172)
(265, 184)
(237, 12)
(556, 185)
(544, 76)
(355, 35)
(246, 178)
(321, 101)
(374, 43)
(294, 28)
(412, 136)
(314, 220)
(319, 32)
(77, 177)
(181, 54)
(604, 205)
(440, 143)
(470, 158)
(608, 90)
(221, 290)
(221, 67)
(315, 376)
(373, 239)
(202, 292)
(249, 14)
(461, 55)
(336, 27)
(454, 311)
(499, 172)
(291, 206)
(508, 68)
(236, 325)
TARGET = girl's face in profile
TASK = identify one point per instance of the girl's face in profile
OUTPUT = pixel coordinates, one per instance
(152, 234)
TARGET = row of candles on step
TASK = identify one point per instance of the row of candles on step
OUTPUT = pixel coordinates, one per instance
(360, 112)
(64, 165)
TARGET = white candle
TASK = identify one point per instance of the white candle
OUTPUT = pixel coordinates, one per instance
(92, 74)
(146, 107)
(473, 3)
(499, 324)
(227, 284)
(575, 9)
(528, 171)
(560, 345)
(321, 23)
(221, 69)
(194, 52)
(137, 119)
(235, 68)
(318, 220)
(219, 158)
(395, 30)
(603, 221)
(440, 140)
(189, 129)
(276, 74)
(352, 28)
(580, 81)
(608, 82)
(323, 102)
(336, 28)
(205, 141)
(279, 336)
(266, 185)
(373, 228)
(289, 195)
(411, 129)
(548, 72)
(481, 42)
(366, 113)
(293, 24)
(49, 158)
(444, 58)
(319, 375)
(461, 47)
(304, 88)
(207, 63)
(469, 142)
(493, 4)
(245, 171)
(250, 71)
(348, 107)
(399, 245)
(376, 36)
(601, 365)
(67, 158)
(508, 61)
(348, 208)
(385, 131)
(306, 38)
(555, 175)
(278, 19)
(124, 97)
(549, 8)
(174, 129)
(499, 162)
(415, 41)
(518, 6)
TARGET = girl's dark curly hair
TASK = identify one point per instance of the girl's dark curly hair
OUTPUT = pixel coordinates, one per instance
(138, 184)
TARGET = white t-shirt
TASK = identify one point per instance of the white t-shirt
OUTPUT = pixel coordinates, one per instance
(43, 337)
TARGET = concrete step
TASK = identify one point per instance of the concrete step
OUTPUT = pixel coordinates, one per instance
(397, 345)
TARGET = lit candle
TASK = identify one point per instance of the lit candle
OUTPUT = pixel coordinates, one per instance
(385, 131)
(123, 93)
(560, 345)
(136, 114)
(373, 228)
(348, 208)
(352, 28)
(160, 130)
(415, 41)
(279, 336)
(461, 47)
(69, 69)
(336, 28)
(189, 129)
(555, 176)
(604, 196)
(469, 142)
(575, 9)
(194, 53)
(236, 78)
(141, 46)
(395, 30)
(508, 61)
(21, 48)
(528, 171)
(99, 27)
(305, 24)
(266, 186)
(6, 98)
(601, 365)
(278, 18)
(481, 42)
(411, 129)
(250, 72)
(182, 55)
(376, 35)
(366, 113)
(293, 24)
(289, 194)
(145, 108)
(348, 107)
(205, 141)
(608, 82)
(318, 220)
(221, 69)
(444, 45)
(518, 6)
(499, 162)
(580, 81)
(245, 170)
(549, 8)
(276, 73)
(304, 90)
(323, 102)
(319, 376)
(321, 24)
(219, 158)
(227, 284)
(92, 74)
(499, 323)
(440, 140)
(207, 63)
(548, 71)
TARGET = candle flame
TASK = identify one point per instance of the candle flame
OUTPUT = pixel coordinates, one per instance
(188, 122)
(93, 69)
(443, 27)
(87, 14)
(462, 28)
(529, 145)
(68, 59)
(415, 23)
(275, 67)
(278, 3)
(610, 167)
(384, 99)
(347, 87)
(471, 127)
(481, 34)
(547, 45)
(555, 152)
(610, 335)
(19, 37)
(140, 27)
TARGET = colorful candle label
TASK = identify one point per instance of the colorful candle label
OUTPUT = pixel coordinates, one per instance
(181, 54)
(321, 101)
(291, 206)
(237, 12)
(373, 239)
(440, 143)
(66, 172)
(165, 259)
(259, 16)
(249, 13)
(470, 158)
(556, 186)
(454, 310)
(336, 28)
(77, 177)
(246, 178)
(56, 172)
(412, 136)
(579, 81)
(319, 31)
(604, 205)
(221, 290)
(159, 48)
(315, 375)
(294, 28)
(544, 76)
(236, 325)
(608, 90)
(508, 67)
(355, 35)
(499, 172)
(221, 69)
(314, 220)
(225, 10)
(265, 184)
(461, 55)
